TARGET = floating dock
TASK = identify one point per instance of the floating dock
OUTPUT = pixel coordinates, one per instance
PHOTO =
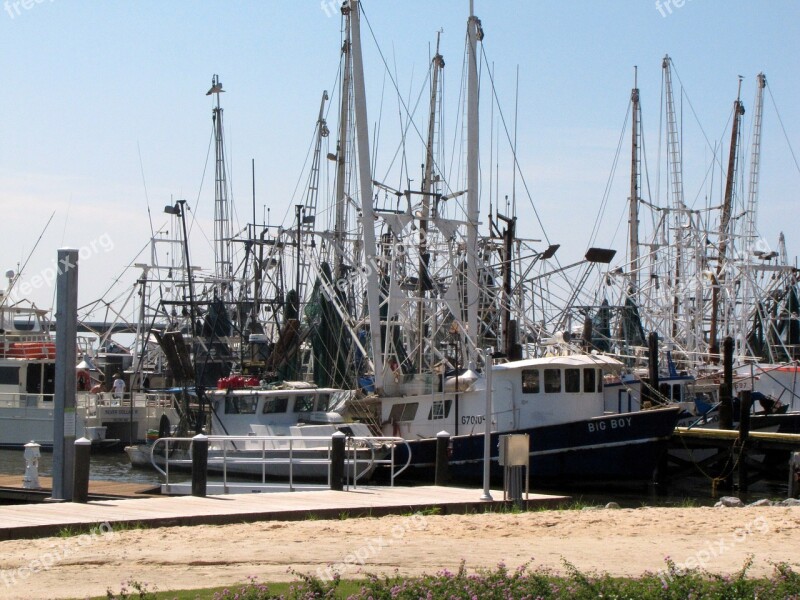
(48, 519)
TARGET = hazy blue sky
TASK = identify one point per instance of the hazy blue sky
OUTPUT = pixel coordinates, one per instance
(89, 85)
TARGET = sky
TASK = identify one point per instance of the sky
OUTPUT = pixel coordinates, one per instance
(105, 113)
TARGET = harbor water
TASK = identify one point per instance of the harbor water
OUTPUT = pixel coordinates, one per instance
(111, 466)
(686, 491)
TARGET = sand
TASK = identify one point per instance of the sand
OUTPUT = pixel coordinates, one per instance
(620, 542)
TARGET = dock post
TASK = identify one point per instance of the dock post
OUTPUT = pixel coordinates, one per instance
(337, 461)
(80, 472)
(32, 454)
(726, 390)
(794, 475)
(726, 407)
(442, 464)
(199, 465)
(652, 366)
(746, 402)
(64, 414)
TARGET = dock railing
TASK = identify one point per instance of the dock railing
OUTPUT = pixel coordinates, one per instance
(283, 457)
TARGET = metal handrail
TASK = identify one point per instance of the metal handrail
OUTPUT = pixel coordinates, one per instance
(354, 444)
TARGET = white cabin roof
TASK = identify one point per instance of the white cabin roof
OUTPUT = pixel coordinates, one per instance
(572, 360)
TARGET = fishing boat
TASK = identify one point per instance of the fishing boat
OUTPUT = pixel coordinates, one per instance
(27, 386)
(556, 400)
(395, 301)
(433, 293)
(247, 412)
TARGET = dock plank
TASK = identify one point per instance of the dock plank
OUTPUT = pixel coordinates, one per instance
(96, 487)
(39, 520)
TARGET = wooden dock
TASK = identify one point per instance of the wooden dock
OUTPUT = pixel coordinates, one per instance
(762, 440)
(41, 520)
(11, 489)
(750, 455)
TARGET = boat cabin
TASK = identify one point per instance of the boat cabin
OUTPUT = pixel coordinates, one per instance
(236, 411)
(27, 354)
(525, 393)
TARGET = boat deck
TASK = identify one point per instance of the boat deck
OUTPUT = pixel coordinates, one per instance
(47, 519)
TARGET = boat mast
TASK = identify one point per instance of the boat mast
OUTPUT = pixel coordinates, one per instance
(370, 267)
(752, 207)
(424, 284)
(755, 163)
(307, 214)
(474, 33)
(633, 223)
(222, 224)
(725, 219)
(341, 152)
(675, 167)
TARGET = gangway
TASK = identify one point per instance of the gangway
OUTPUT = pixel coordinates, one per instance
(276, 457)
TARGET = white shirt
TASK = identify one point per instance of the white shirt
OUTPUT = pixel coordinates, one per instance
(119, 386)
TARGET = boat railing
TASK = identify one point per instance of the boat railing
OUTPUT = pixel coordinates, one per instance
(140, 399)
(25, 400)
(362, 455)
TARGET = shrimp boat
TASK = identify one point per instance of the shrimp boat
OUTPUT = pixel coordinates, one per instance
(251, 421)
(27, 381)
(435, 293)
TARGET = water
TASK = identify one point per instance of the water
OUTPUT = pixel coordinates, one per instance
(686, 491)
(109, 466)
(682, 492)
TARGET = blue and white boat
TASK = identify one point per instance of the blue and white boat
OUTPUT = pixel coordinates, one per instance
(429, 302)
(556, 400)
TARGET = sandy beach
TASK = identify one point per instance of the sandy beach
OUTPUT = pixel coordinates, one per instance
(620, 542)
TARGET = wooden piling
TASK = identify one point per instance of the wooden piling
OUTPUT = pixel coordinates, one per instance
(199, 465)
(726, 389)
(745, 404)
(80, 472)
(337, 461)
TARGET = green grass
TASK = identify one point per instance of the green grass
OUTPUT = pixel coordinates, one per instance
(431, 511)
(141, 591)
(68, 532)
(670, 583)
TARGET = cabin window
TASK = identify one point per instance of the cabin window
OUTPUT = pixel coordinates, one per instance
(275, 405)
(9, 375)
(589, 379)
(440, 409)
(323, 403)
(240, 405)
(572, 381)
(552, 381)
(49, 380)
(403, 412)
(664, 390)
(303, 404)
(530, 381)
(34, 379)
(599, 380)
